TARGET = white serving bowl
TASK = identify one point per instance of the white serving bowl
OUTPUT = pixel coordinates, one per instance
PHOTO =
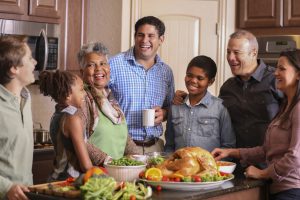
(124, 173)
(226, 167)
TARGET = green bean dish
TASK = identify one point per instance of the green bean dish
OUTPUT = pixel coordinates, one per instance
(124, 161)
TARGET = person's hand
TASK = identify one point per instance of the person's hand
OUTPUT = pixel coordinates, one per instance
(179, 97)
(253, 172)
(16, 192)
(107, 159)
(159, 115)
(218, 153)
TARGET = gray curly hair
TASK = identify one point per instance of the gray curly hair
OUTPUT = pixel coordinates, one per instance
(93, 47)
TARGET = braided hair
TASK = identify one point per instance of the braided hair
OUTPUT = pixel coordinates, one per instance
(57, 84)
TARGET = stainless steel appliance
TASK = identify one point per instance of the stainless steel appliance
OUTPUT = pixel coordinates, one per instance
(270, 46)
(43, 40)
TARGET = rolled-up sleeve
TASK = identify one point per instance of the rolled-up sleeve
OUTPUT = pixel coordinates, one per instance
(253, 155)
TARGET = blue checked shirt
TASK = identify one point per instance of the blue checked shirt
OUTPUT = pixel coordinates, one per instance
(136, 89)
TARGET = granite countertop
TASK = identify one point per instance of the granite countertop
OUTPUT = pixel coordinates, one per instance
(239, 183)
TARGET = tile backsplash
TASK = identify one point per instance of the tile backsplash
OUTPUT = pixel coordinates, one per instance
(42, 107)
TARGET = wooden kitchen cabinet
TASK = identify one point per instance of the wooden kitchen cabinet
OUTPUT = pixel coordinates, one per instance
(42, 165)
(291, 11)
(44, 8)
(73, 32)
(268, 13)
(48, 11)
(71, 15)
(13, 7)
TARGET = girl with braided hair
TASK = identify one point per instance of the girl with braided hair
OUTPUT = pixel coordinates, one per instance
(67, 127)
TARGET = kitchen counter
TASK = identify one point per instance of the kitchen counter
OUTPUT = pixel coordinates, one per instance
(43, 151)
(238, 188)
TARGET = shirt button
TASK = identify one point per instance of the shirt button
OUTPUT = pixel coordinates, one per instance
(189, 129)
(191, 112)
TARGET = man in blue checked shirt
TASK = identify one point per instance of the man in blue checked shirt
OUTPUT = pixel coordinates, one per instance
(141, 80)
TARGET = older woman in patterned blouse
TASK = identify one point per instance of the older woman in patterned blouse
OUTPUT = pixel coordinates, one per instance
(106, 124)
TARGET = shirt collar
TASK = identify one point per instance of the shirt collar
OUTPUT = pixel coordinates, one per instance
(205, 101)
(70, 109)
(259, 72)
(129, 55)
(7, 95)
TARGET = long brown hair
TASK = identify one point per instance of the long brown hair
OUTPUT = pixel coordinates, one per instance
(293, 57)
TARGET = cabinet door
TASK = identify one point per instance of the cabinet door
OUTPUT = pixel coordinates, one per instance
(44, 8)
(73, 33)
(13, 6)
(260, 13)
(291, 12)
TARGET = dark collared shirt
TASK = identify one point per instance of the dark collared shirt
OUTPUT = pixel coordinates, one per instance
(251, 104)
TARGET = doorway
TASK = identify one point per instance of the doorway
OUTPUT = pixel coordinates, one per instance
(193, 27)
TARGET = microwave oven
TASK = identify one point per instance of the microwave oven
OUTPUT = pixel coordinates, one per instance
(45, 50)
(43, 40)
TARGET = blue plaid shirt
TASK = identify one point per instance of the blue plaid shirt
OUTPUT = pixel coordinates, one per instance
(136, 89)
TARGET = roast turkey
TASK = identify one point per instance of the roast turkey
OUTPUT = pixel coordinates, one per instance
(189, 161)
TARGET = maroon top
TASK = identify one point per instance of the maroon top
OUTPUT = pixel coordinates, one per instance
(281, 152)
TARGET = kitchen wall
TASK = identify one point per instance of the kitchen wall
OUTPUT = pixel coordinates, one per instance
(42, 107)
(104, 23)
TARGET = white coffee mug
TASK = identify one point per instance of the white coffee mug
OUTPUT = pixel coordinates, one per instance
(148, 117)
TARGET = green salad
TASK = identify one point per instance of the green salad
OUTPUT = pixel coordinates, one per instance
(156, 160)
(97, 188)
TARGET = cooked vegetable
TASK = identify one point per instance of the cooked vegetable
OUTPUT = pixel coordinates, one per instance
(124, 161)
(98, 188)
(207, 178)
(93, 171)
(156, 160)
(131, 190)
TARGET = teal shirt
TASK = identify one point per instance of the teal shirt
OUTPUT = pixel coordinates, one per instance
(109, 137)
(16, 140)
